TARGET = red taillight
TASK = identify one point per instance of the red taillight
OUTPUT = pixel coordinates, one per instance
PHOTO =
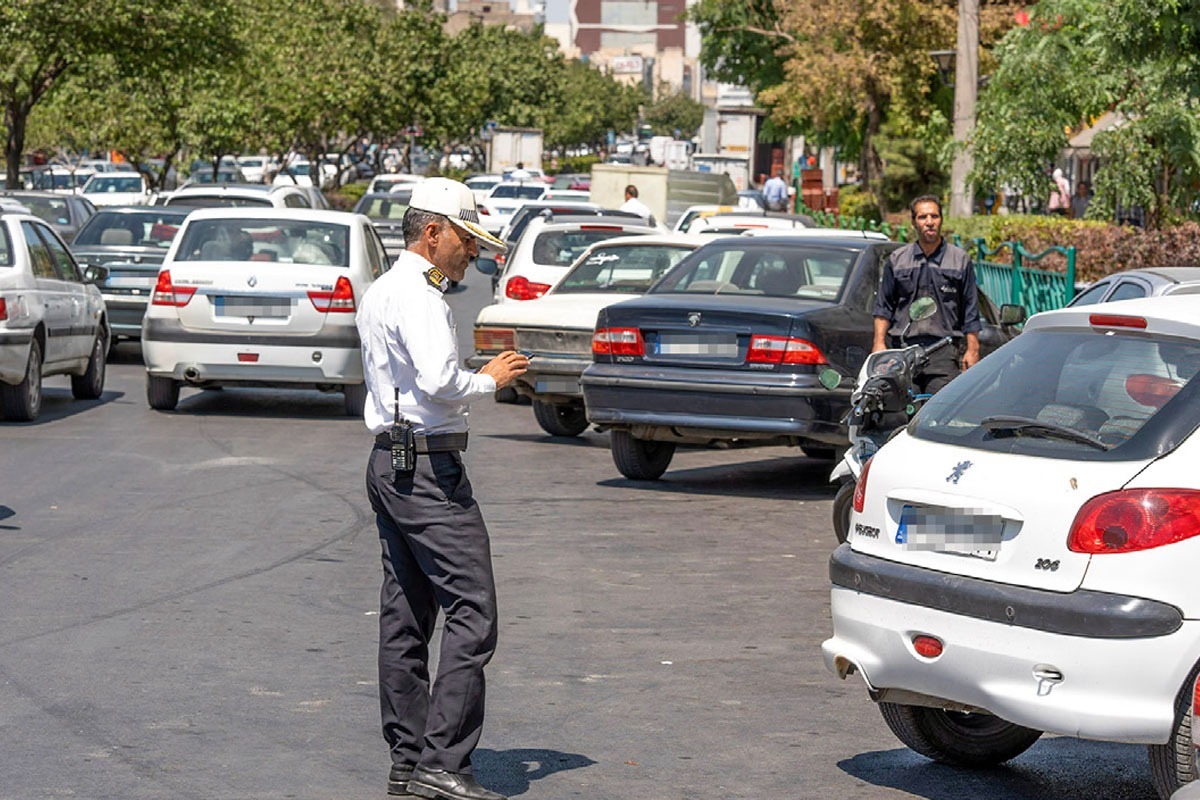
(521, 288)
(1135, 519)
(782, 350)
(340, 300)
(860, 488)
(3, 309)
(168, 294)
(248, 358)
(618, 342)
(586, 227)
(1116, 321)
(927, 646)
(498, 339)
(501, 260)
(484, 212)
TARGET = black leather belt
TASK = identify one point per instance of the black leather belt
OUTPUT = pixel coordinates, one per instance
(433, 443)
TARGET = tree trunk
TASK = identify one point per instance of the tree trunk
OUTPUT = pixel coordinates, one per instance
(16, 116)
(872, 165)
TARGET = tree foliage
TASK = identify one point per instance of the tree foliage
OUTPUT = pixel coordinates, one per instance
(674, 113)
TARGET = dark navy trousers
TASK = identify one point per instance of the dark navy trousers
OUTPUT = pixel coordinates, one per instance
(436, 555)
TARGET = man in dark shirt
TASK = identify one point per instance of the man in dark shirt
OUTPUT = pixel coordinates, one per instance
(934, 272)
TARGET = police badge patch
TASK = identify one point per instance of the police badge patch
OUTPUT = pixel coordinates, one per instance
(437, 279)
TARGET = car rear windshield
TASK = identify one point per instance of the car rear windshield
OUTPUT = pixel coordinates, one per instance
(805, 271)
(148, 229)
(1069, 394)
(629, 269)
(217, 201)
(529, 192)
(561, 248)
(49, 209)
(113, 183)
(290, 241)
(390, 206)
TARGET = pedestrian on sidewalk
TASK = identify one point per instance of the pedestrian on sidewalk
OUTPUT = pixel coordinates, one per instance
(1060, 196)
(436, 551)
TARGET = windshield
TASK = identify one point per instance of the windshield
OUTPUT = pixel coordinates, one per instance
(49, 209)
(216, 201)
(113, 183)
(149, 229)
(801, 271)
(524, 192)
(561, 248)
(628, 269)
(390, 206)
(1063, 393)
(291, 241)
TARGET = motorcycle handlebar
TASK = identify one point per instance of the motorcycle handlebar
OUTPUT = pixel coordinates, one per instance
(938, 345)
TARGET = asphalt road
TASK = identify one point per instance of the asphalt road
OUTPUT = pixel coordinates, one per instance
(189, 612)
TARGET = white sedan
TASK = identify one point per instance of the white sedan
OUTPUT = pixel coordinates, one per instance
(557, 328)
(52, 319)
(1022, 556)
(116, 189)
(261, 297)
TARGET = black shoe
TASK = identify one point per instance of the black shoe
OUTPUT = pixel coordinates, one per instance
(437, 784)
(398, 780)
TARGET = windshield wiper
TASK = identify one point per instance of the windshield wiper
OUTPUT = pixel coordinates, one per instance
(1028, 426)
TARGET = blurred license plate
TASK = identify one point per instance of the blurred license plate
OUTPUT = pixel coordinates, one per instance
(698, 344)
(949, 530)
(234, 306)
(130, 283)
(551, 385)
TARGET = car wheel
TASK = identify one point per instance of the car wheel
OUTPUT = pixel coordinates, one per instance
(23, 402)
(90, 385)
(955, 737)
(355, 396)
(507, 395)
(1173, 764)
(162, 393)
(640, 459)
(560, 420)
(842, 503)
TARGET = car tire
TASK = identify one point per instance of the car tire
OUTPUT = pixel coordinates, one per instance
(507, 395)
(1173, 764)
(957, 738)
(355, 397)
(90, 385)
(560, 420)
(842, 502)
(23, 402)
(162, 393)
(640, 459)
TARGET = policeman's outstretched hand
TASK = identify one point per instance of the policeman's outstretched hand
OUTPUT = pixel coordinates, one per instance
(505, 367)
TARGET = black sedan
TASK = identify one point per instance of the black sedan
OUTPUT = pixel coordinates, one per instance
(727, 347)
(386, 212)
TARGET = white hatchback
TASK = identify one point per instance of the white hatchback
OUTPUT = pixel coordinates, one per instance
(1022, 556)
(261, 297)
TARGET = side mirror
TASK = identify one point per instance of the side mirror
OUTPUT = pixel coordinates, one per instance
(94, 273)
(1012, 314)
(830, 378)
(487, 264)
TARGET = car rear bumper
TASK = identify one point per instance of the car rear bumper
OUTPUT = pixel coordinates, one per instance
(1091, 686)
(14, 354)
(549, 378)
(125, 314)
(714, 403)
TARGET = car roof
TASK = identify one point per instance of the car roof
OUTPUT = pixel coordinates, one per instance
(692, 239)
(784, 240)
(181, 211)
(808, 233)
(309, 214)
(1174, 315)
(1171, 274)
(231, 188)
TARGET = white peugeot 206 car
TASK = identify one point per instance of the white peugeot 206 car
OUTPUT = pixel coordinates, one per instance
(1022, 557)
(261, 297)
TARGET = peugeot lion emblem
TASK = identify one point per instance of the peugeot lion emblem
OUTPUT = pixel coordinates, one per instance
(693, 318)
(252, 281)
(958, 471)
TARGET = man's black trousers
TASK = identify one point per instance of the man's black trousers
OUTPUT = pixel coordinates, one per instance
(436, 554)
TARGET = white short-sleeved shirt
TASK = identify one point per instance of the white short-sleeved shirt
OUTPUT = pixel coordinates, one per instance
(409, 341)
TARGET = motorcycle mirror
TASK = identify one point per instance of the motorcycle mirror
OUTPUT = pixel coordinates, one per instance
(830, 378)
(922, 308)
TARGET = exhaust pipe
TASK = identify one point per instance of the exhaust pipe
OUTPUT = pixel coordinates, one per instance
(191, 375)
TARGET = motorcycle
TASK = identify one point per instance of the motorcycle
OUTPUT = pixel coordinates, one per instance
(883, 401)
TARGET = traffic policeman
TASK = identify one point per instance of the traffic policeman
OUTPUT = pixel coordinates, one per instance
(436, 552)
(929, 292)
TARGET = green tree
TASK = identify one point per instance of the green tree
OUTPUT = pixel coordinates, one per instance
(592, 104)
(674, 111)
(46, 41)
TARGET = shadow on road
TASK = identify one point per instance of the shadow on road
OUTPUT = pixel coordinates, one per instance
(510, 772)
(1054, 767)
(797, 478)
(58, 403)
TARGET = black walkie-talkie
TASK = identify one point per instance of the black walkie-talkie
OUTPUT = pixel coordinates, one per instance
(404, 443)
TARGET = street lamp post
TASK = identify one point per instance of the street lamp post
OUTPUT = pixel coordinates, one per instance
(966, 91)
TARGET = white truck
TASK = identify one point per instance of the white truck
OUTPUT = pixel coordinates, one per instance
(511, 146)
(668, 192)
